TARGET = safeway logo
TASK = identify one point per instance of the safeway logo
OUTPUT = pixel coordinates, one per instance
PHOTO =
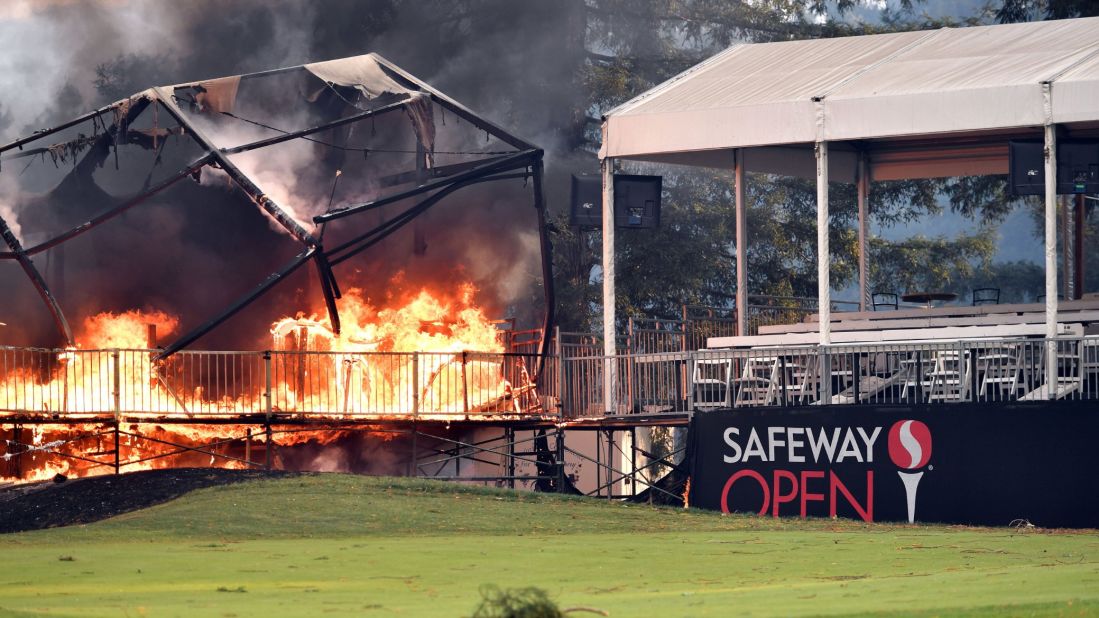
(910, 448)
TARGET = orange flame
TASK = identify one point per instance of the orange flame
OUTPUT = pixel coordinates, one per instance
(428, 352)
(125, 330)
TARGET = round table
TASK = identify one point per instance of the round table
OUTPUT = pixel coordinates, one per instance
(927, 298)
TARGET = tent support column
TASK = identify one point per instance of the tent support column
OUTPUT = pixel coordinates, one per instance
(824, 301)
(862, 187)
(609, 378)
(1068, 272)
(741, 244)
(1051, 251)
(1078, 245)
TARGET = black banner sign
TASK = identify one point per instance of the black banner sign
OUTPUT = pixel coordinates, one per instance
(987, 464)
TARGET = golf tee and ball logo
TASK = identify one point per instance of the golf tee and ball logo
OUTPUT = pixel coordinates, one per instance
(814, 471)
(910, 448)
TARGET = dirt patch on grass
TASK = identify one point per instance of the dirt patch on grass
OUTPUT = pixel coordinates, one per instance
(51, 504)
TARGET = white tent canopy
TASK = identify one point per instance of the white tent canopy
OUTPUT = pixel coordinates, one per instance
(956, 83)
(903, 105)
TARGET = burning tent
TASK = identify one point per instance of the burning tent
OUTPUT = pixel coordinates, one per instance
(347, 226)
(350, 166)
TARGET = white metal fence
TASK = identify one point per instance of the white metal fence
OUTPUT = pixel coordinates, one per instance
(895, 373)
(200, 383)
(101, 382)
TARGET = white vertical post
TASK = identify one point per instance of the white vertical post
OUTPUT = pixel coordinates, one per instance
(824, 300)
(1051, 251)
(1064, 204)
(609, 368)
(862, 187)
(741, 244)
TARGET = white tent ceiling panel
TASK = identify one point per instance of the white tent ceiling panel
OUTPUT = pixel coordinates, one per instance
(774, 72)
(924, 113)
(1076, 93)
(971, 59)
(789, 122)
(953, 81)
(361, 72)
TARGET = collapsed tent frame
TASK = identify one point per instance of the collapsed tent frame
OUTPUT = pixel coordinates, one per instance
(525, 162)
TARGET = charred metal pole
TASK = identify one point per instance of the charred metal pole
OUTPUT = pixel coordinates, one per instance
(509, 438)
(36, 279)
(328, 289)
(455, 107)
(242, 302)
(258, 196)
(17, 459)
(269, 446)
(439, 171)
(289, 135)
(412, 467)
(519, 159)
(61, 127)
(547, 264)
(560, 456)
(376, 235)
(117, 462)
(268, 205)
(114, 212)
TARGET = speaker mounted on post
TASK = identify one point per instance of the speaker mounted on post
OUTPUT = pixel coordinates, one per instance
(636, 201)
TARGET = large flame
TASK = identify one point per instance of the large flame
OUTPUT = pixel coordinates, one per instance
(427, 352)
(125, 330)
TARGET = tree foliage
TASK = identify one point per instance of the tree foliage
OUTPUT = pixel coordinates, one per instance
(1011, 11)
(692, 258)
(549, 70)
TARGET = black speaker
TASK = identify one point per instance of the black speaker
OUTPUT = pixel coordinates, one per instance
(636, 201)
(587, 200)
(1026, 164)
(1077, 167)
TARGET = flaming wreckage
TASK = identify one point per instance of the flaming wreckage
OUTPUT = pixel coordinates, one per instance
(191, 210)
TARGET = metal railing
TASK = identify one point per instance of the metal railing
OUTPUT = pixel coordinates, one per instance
(698, 323)
(201, 383)
(896, 373)
(768, 310)
(115, 382)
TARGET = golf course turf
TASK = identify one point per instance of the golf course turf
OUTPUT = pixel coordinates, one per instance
(331, 544)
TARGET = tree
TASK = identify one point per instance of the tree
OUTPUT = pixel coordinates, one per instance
(1012, 11)
(550, 70)
(692, 259)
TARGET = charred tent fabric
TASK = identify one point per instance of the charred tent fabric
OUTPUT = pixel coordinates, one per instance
(334, 157)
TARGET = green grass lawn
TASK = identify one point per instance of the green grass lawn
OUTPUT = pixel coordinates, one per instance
(347, 545)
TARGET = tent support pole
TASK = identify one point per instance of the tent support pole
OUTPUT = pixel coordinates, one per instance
(245, 183)
(524, 158)
(741, 245)
(36, 279)
(863, 188)
(547, 267)
(1078, 245)
(610, 405)
(1051, 250)
(1068, 272)
(824, 301)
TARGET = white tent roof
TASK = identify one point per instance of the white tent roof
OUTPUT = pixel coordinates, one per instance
(972, 88)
